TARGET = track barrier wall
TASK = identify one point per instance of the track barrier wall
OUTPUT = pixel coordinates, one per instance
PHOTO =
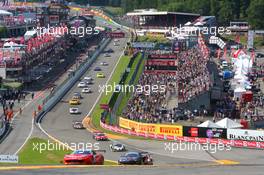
(58, 95)
(216, 136)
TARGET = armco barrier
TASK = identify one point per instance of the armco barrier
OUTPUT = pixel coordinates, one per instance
(68, 85)
(233, 143)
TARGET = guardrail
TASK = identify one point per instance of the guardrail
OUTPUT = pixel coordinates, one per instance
(59, 93)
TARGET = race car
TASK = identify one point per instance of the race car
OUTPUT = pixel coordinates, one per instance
(77, 124)
(74, 111)
(83, 157)
(74, 102)
(99, 136)
(97, 69)
(82, 85)
(103, 63)
(86, 90)
(77, 95)
(136, 158)
(117, 147)
(100, 75)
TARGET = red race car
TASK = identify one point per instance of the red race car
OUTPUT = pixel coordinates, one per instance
(84, 157)
(99, 136)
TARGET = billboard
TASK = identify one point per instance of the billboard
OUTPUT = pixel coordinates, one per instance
(244, 134)
(162, 62)
(115, 34)
(175, 130)
(163, 56)
(146, 45)
(204, 132)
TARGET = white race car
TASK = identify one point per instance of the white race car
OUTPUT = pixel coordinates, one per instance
(103, 63)
(82, 85)
(86, 90)
(117, 147)
(88, 78)
(74, 111)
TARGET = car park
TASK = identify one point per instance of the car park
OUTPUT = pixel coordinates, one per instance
(74, 111)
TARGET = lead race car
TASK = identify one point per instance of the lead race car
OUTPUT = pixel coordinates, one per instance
(136, 158)
(84, 157)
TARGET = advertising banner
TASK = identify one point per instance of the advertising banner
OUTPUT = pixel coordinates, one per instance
(204, 132)
(159, 129)
(146, 45)
(162, 62)
(115, 34)
(244, 134)
(163, 56)
(169, 72)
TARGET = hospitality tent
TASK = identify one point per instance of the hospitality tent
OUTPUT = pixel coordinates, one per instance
(228, 123)
(209, 124)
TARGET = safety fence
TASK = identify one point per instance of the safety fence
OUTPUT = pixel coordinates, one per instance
(60, 92)
(227, 137)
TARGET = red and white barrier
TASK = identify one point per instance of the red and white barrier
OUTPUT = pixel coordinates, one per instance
(234, 143)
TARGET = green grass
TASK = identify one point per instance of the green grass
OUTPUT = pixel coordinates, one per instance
(28, 155)
(96, 114)
(153, 38)
(127, 96)
(114, 10)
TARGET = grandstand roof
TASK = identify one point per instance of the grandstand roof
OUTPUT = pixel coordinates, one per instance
(148, 12)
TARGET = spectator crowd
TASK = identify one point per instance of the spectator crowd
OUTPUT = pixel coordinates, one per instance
(192, 78)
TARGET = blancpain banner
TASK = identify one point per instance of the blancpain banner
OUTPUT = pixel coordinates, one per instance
(243, 134)
(8, 159)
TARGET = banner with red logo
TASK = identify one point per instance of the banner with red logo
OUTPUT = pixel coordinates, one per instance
(160, 62)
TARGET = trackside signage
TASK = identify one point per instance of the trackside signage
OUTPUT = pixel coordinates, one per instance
(243, 134)
(8, 159)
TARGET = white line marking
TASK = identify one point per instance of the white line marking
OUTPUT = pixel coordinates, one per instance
(29, 135)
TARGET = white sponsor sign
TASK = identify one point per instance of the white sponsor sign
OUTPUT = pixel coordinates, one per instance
(243, 134)
(8, 159)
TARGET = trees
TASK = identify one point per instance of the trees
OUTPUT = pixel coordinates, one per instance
(255, 14)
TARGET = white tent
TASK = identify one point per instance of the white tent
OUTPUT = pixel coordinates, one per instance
(228, 123)
(188, 23)
(30, 34)
(5, 13)
(209, 124)
(10, 44)
(198, 24)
